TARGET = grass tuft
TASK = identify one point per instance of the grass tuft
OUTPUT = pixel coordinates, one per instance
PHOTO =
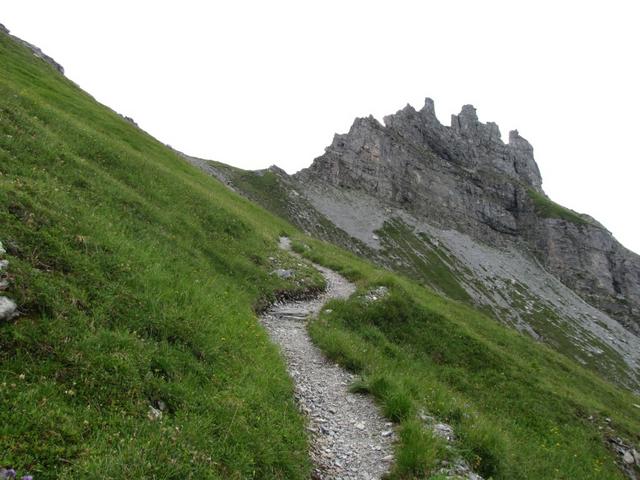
(547, 208)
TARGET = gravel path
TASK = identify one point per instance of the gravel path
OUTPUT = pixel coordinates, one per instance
(349, 437)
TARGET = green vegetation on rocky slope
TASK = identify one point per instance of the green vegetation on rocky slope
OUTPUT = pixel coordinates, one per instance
(519, 409)
(421, 259)
(547, 208)
(408, 251)
(269, 189)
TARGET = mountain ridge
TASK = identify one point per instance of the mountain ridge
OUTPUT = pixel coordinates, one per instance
(465, 212)
(566, 243)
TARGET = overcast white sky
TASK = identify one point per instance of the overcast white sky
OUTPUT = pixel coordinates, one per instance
(255, 83)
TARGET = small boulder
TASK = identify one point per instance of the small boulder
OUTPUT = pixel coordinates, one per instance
(154, 414)
(628, 458)
(7, 308)
(283, 273)
(444, 431)
(377, 293)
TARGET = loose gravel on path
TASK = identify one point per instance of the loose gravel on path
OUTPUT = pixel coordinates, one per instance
(349, 437)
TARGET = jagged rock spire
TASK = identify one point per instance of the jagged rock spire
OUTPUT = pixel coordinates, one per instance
(429, 107)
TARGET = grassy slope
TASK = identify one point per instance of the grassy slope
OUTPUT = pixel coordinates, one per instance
(136, 275)
(268, 190)
(547, 208)
(521, 410)
(419, 257)
(261, 187)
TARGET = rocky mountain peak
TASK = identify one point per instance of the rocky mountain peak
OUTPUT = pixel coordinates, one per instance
(518, 142)
(466, 120)
(466, 123)
(429, 109)
(467, 143)
(364, 124)
(463, 177)
(464, 212)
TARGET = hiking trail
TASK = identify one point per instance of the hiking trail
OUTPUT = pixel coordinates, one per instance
(349, 437)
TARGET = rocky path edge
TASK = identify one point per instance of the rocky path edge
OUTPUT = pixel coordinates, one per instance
(349, 437)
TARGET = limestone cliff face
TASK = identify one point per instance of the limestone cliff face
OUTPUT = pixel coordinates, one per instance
(461, 177)
(590, 261)
(465, 178)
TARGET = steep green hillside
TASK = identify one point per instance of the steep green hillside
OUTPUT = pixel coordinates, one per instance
(135, 275)
(503, 288)
(270, 189)
(138, 277)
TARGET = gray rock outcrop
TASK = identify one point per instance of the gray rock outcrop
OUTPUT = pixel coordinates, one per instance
(8, 307)
(464, 177)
